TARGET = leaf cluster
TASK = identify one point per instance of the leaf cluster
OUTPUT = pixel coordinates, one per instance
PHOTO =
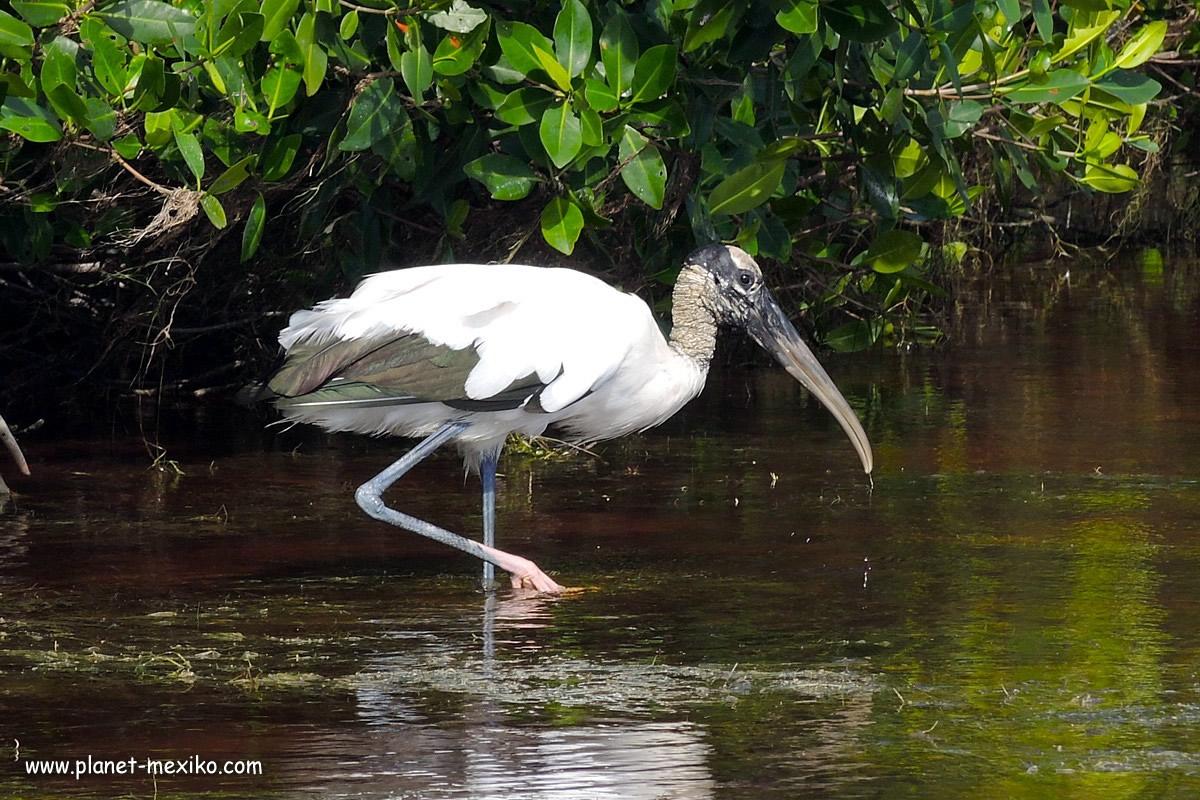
(840, 131)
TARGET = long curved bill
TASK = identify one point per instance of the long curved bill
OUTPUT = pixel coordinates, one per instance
(771, 328)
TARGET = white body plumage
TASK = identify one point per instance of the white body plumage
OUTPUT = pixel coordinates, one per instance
(605, 366)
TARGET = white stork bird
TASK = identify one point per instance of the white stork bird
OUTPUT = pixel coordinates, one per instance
(472, 353)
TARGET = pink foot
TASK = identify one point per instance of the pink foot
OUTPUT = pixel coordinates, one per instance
(524, 573)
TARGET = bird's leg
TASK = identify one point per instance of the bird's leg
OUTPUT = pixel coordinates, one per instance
(487, 476)
(525, 574)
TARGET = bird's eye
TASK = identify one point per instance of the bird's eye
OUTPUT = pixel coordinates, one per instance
(746, 278)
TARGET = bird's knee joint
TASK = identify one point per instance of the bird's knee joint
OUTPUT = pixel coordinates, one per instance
(368, 499)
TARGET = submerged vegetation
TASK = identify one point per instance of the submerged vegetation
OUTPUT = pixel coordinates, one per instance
(178, 175)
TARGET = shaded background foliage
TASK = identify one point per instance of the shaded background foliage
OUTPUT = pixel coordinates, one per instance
(178, 176)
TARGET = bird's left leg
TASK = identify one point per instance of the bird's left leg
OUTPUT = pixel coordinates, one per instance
(487, 476)
(525, 574)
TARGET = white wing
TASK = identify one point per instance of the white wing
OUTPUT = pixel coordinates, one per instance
(571, 330)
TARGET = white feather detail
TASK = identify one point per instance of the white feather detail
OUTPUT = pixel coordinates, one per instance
(608, 369)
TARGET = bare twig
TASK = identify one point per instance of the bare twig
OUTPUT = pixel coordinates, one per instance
(129, 168)
(387, 12)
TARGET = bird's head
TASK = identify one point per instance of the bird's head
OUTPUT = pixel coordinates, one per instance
(739, 298)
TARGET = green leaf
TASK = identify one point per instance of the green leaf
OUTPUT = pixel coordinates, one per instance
(349, 25)
(894, 250)
(878, 186)
(232, 177)
(148, 21)
(1145, 144)
(961, 117)
(599, 95)
(654, 72)
(108, 60)
(252, 233)
(573, 36)
(561, 134)
(798, 16)
(247, 37)
(41, 13)
(643, 171)
(128, 147)
(912, 55)
(524, 106)
(276, 16)
(416, 67)
(278, 155)
(459, 18)
(287, 49)
(58, 63)
(100, 118)
(456, 216)
(1145, 43)
(1060, 85)
(860, 20)
(1110, 178)
(375, 113)
(1082, 34)
(619, 53)
(1043, 19)
(29, 121)
(556, 71)
(68, 104)
(14, 32)
(33, 129)
(706, 24)
(592, 127)
(279, 86)
(395, 54)
(517, 41)
(151, 85)
(1133, 88)
(507, 178)
(43, 202)
(316, 61)
(747, 188)
(455, 54)
(1011, 10)
(214, 210)
(909, 160)
(214, 75)
(247, 120)
(486, 95)
(503, 72)
(189, 148)
(157, 125)
(562, 222)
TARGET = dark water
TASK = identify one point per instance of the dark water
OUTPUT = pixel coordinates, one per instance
(1012, 611)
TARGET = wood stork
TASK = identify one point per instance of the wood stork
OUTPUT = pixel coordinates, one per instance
(471, 353)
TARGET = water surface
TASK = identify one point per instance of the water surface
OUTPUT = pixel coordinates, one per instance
(1010, 611)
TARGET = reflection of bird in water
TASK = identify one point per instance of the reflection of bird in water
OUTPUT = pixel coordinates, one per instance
(491, 749)
(470, 354)
(491, 752)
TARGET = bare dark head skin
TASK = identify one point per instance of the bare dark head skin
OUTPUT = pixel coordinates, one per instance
(740, 299)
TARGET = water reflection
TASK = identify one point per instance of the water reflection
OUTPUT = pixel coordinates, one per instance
(487, 753)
